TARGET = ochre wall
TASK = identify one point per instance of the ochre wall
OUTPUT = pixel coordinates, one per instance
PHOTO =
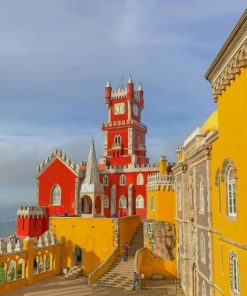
(231, 144)
(28, 254)
(165, 203)
(127, 228)
(95, 236)
(148, 264)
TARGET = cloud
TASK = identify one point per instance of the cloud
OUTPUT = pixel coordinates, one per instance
(55, 57)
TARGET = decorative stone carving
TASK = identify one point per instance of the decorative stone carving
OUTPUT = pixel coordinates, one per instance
(19, 246)
(10, 246)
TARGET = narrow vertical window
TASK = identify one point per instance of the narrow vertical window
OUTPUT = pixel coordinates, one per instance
(231, 193)
(56, 195)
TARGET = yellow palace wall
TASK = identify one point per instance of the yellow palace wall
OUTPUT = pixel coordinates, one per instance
(95, 236)
(231, 144)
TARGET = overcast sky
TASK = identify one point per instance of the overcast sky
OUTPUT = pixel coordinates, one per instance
(55, 59)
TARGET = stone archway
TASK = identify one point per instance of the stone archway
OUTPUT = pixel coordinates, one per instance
(86, 204)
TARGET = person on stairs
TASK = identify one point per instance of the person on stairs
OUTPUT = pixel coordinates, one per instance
(136, 281)
(125, 248)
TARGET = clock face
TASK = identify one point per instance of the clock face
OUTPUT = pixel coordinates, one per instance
(135, 110)
(119, 108)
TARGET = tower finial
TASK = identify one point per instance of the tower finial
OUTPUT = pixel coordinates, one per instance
(140, 87)
(108, 84)
(130, 80)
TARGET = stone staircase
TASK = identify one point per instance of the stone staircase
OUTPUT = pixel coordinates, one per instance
(120, 275)
(73, 272)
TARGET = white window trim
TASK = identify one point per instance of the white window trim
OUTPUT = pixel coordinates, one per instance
(123, 206)
(57, 198)
(140, 202)
(122, 180)
(231, 195)
(234, 273)
(106, 180)
(140, 179)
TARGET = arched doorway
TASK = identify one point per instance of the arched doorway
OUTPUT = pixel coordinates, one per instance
(78, 256)
(86, 205)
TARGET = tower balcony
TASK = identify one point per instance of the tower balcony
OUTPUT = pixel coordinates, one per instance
(157, 179)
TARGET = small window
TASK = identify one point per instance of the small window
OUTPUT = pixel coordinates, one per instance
(106, 202)
(203, 248)
(122, 180)
(231, 192)
(152, 204)
(140, 202)
(105, 180)
(234, 273)
(56, 196)
(122, 202)
(202, 197)
(140, 179)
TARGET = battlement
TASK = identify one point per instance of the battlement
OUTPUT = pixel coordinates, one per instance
(31, 211)
(74, 166)
(127, 123)
(14, 244)
(130, 168)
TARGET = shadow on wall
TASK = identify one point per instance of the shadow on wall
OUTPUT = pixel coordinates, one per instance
(74, 254)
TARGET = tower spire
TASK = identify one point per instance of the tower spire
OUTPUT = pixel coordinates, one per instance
(92, 173)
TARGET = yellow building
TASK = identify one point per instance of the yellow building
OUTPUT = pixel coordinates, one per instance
(159, 228)
(228, 76)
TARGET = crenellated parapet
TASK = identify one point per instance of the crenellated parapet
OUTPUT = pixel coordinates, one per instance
(59, 154)
(32, 211)
(131, 168)
(11, 245)
(157, 181)
(125, 123)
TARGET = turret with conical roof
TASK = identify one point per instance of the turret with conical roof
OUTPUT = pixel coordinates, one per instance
(92, 189)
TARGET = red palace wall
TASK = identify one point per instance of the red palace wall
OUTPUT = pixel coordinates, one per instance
(131, 178)
(32, 226)
(57, 173)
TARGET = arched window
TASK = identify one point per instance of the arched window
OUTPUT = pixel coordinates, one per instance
(117, 140)
(231, 192)
(152, 204)
(139, 202)
(19, 269)
(105, 180)
(140, 179)
(11, 273)
(106, 202)
(204, 293)
(203, 248)
(122, 202)
(234, 273)
(201, 197)
(56, 195)
(122, 180)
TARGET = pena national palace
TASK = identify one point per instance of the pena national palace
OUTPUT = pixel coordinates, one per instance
(182, 224)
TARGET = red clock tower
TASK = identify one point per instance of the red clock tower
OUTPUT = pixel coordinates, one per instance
(124, 134)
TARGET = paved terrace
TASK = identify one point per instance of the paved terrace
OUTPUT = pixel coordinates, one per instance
(57, 286)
